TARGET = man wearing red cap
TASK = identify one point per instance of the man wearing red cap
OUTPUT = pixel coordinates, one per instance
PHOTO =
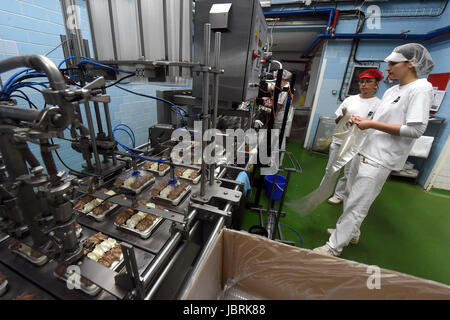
(361, 105)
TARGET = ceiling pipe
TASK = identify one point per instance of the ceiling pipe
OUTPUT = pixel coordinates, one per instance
(326, 36)
(287, 13)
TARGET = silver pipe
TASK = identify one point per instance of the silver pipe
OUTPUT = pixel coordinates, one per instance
(207, 54)
(171, 263)
(203, 255)
(73, 28)
(92, 134)
(98, 117)
(163, 254)
(190, 219)
(108, 125)
(39, 63)
(270, 225)
(217, 41)
(17, 113)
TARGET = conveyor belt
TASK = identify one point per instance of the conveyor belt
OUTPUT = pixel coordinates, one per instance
(18, 285)
(43, 277)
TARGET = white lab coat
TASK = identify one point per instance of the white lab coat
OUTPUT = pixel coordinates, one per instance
(380, 154)
(356, 106)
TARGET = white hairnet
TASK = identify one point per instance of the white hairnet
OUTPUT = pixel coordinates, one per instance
(418, 55)
(287, 75)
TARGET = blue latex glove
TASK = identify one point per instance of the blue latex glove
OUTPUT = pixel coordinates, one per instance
(243, 177)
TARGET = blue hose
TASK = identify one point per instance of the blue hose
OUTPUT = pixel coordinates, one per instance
(178, 110)
(66, 59)
(25, 84)
(131, 138)
(284, 225)
(10, 80)
(128, 149)
(105, 66)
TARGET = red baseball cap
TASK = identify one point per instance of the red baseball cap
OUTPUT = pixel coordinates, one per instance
(372, 73)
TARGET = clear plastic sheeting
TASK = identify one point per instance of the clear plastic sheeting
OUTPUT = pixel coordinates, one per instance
(322, 139)
(353, 138)
(245, 266)
(232, 291)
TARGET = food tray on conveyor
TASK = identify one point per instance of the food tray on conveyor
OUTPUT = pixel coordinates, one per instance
(156, 192)
(90, 205)
(77, 282)
(104, 250)
(161, 168)
(126, 181)
(27, 252)
(186, 174)
(3, 284)
(134, 225)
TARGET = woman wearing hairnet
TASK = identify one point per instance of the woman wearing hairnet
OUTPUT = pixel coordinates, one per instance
(363, 105)
(401, 117)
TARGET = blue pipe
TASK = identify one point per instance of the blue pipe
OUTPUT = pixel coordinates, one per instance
(270, 14)
(426, 36)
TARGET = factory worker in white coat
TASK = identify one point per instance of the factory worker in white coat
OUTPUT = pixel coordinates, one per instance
(400, 119)
(363, 105)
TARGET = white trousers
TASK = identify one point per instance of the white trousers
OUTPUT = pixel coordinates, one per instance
(365, 181)
(340, 191)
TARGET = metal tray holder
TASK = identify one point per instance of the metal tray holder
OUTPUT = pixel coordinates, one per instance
(36, 261)
(114, 266)
(99, 218)
(3, 287)
(92, 290)
(194, 181)
(176, 201)
(143, 234)
(158, 172)
(145, 185)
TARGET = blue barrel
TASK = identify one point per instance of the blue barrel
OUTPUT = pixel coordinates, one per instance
(277, 189)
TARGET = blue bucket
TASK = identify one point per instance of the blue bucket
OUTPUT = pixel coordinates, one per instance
(277, 189)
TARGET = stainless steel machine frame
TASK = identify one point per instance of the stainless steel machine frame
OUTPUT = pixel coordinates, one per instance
(152, 269)
(242, 48)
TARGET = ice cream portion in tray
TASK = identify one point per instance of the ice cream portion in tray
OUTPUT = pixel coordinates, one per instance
(26, 296)
(187, 173)
(168, 191)
(155, 166)
(103, 250)
(134, 219)
(133, 181)
(89, 203)
(27, 252)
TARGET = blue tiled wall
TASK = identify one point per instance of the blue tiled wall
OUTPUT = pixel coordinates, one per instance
(34, 27)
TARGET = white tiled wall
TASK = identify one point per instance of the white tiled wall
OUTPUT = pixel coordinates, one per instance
(443, 178)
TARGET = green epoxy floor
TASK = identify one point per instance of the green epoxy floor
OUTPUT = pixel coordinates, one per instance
(406, 230)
